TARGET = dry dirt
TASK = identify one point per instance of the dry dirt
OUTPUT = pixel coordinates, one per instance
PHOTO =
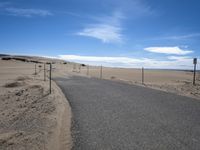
(30, 117)
(179, 82)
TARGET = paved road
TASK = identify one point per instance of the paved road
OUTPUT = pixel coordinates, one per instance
(116, 116)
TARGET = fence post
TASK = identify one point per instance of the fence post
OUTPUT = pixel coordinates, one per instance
(142, 75)
(88, 70)
(35, 68)
(101, 72)
(44, 72)
(194, 75)
(79, 68)
(74, 67)
(50, 78)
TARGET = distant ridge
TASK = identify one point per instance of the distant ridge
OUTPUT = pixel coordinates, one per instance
(3, 55)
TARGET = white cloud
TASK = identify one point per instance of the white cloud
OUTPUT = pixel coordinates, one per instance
(178, 58)
(114, 19)
(104, 32)
(27, 12)
(108, 29)
(181, 37)
(127, 62)
(168, 50)
(99, 59)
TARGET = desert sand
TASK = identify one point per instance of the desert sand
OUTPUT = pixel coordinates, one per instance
(30, 117)
(174, 81)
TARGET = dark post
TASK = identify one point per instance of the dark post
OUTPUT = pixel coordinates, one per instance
(74, 67)
(79, 68)
(44, 72)
(88, 70)
(194, 75)
(142, 75)
(35, 68)
(101, 72)
(50, 78)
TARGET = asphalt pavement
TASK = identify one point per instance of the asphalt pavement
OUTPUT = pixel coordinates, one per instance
(109, 115)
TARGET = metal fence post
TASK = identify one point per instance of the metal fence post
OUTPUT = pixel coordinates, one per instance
(50, 78)
(74, 68)
(142, 75)
(195, 65)
(101, 72)
(35, 68)
(44, 72)
(79, 68)
(88, 70)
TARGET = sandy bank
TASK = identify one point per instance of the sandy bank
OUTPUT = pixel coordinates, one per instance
(30, 117)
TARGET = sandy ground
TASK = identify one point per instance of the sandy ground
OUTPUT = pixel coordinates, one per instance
(30, 117)
(178, 82)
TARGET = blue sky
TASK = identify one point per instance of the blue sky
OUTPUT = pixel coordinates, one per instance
(122, 33)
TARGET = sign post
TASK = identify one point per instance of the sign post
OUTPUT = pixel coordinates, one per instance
(195, 65)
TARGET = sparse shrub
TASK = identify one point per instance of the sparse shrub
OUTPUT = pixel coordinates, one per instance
(14, 84)
(112, 77)
(6, 58)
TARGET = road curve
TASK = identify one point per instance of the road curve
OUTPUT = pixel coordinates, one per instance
(109, 115)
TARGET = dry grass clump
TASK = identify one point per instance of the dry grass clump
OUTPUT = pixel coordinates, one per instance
(14, 84)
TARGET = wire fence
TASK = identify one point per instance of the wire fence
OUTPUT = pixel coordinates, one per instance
(135, 75)
(45, 71)
(36, 71)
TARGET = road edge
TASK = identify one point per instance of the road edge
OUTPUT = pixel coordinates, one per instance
(61, 136)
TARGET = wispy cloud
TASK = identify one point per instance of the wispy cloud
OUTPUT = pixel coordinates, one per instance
(181, 37)
(108, 29)
(27, 12)
(127, 62)
(133, 8)
(104, 32)
(168, 50)
(178, 57)
(139, 8)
